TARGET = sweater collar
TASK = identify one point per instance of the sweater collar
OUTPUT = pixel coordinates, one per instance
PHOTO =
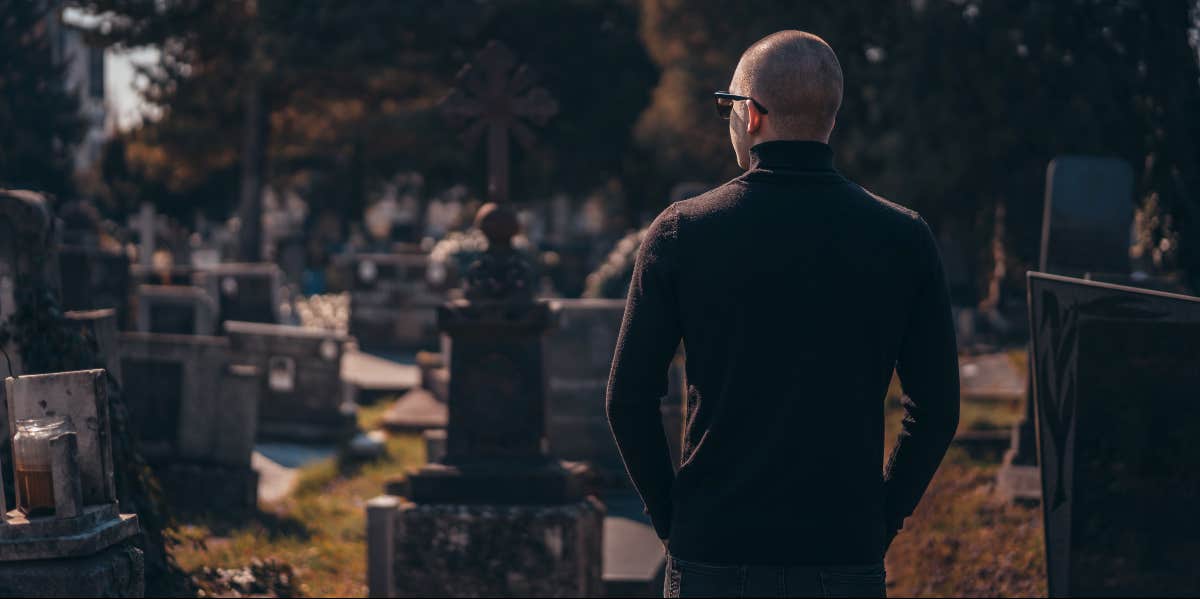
(789, 155)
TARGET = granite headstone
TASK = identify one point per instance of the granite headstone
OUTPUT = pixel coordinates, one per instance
(1115, 373)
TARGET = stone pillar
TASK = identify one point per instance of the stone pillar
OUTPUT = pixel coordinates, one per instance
(498, 516)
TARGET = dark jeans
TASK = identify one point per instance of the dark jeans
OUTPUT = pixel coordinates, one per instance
(694, 579)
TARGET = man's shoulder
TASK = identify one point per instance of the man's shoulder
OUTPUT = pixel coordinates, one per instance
(888, 207)
(711, 202)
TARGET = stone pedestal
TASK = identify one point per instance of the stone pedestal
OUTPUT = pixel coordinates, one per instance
(424, 550)
(85, 548)
(118, 571)
(497, 516)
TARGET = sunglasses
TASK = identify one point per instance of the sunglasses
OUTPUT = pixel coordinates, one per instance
(725, 102)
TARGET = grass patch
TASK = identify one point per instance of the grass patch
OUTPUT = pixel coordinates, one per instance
(964, 542)
(320, 530)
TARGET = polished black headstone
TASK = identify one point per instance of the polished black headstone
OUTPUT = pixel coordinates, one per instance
(1116, 377)
(1088, 215)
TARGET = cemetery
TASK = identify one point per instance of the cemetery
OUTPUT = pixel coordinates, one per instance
(324, 300)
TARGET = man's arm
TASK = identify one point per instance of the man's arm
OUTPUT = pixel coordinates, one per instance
(649, 336)
(928, 370)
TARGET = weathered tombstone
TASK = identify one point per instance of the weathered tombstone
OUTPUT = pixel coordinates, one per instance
(302, 397)
(86, 548)
(1086, 226)
(245, 292)
(195, 411)
(175, 310)
(498, 516)
(579, 353)
(1115, 373)
(391, 306)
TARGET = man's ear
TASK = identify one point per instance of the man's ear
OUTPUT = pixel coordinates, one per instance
(753, 118)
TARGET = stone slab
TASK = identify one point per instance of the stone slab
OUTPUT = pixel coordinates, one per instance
(634, 556)
(117, 571)
(372, 373)
(215, 419)
(278, 466)
(175, 309)
(991, 377)
(487, 550)
(83, 397)
(29, 540)
(415, 412)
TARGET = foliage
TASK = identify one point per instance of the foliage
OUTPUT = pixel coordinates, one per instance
(955, 106)
(351, 91)
(39, 119)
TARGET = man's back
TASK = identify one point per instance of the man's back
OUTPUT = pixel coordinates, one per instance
(795, 293)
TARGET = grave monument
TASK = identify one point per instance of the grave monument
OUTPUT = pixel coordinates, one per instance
(1115, 373)
(498, 516)
(1085, 228)
(67, 537)
(302, 395)
(195, 411)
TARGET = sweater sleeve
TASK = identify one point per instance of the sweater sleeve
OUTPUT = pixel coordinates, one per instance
(928, 370)
(650, 334)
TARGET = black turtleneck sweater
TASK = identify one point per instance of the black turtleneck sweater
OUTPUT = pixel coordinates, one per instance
(796, 294)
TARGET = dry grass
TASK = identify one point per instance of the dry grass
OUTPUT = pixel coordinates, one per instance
(963, 542)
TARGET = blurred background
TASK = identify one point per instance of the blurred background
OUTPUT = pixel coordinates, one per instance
(293, 163)
(952, 107)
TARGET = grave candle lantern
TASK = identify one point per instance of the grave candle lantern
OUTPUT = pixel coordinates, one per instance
(32, 463)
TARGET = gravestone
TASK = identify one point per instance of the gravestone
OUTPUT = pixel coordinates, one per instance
(175, 310)
(392, 307)
(1087, 216)
(579, 354)
(1115, 373)
(302, 395)
(498, 516)
(1086, 227)
(86, 547)
(195, 411)
(247, 292)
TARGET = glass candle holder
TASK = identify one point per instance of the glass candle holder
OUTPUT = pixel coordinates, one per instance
(32, 463)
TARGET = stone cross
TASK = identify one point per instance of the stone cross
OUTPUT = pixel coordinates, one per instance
(495, 95)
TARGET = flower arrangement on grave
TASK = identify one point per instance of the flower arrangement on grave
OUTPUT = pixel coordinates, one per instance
(453, 255)
(611, 279)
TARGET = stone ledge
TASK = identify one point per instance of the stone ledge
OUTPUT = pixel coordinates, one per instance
(113, 572)
(48, 538)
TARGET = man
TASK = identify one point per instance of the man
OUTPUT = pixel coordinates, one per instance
(796, 294)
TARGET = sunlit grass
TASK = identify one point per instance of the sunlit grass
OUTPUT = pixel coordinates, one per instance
(320, 530)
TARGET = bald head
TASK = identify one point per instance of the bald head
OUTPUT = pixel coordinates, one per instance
(797, 77)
